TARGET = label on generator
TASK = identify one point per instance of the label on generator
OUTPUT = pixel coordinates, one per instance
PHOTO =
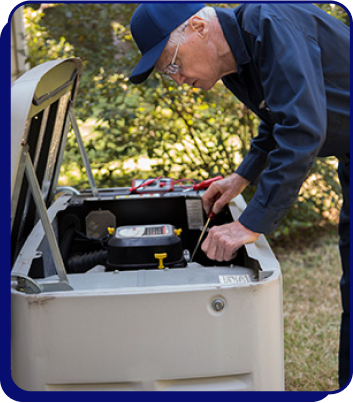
(235, 279)
(138, 231)
(194, 213)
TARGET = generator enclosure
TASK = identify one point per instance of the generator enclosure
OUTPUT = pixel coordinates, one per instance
(104, 296)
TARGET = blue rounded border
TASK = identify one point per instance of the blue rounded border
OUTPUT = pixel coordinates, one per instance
(8, 386)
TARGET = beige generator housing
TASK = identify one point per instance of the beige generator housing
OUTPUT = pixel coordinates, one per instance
(98, 300)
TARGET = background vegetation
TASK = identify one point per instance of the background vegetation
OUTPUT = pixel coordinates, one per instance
(159, 128)
(156, 128)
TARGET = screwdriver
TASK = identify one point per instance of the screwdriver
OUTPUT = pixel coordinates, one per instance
(211, 216)
(204, 184)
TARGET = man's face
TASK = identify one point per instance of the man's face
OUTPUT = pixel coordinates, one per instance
(196, 58)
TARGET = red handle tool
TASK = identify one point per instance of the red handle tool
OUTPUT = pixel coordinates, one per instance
(204, 184)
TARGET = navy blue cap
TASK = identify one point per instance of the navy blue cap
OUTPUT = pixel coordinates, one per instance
(151, 26)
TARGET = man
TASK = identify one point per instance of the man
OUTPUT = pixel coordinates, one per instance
(289, 63)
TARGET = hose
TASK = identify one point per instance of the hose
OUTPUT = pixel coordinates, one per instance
(85, 262)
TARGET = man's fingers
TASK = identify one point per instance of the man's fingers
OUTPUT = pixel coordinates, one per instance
(209, 198)
(222, 192)
(230, 254)
(223, 242)
(217, 246)
(220, 203)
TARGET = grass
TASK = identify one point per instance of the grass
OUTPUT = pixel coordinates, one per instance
(311, 271)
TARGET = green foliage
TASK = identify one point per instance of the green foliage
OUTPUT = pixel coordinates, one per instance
(336, 11)
(181, 132)
(318, 202)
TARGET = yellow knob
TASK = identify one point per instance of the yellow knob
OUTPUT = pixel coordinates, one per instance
(178, 231)
(160, 257)
(111, 230)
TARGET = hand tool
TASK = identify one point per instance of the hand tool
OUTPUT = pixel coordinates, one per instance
(204, 184)
(211, 216)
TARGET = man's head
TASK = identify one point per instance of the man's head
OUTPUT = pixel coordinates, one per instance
(151, 26)
(184, 41)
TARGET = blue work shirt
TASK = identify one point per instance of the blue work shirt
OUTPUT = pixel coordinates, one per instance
(293, 72)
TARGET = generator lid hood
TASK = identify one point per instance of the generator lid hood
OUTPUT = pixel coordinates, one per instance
(41, 100)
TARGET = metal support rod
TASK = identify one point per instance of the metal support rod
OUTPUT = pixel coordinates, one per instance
(60, 158)
(43, 214)
(16, 186)
(83, 153)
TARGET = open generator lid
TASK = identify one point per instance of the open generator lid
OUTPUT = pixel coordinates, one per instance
(41, 100)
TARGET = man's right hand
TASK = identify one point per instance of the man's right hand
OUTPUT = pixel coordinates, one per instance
(222, 192)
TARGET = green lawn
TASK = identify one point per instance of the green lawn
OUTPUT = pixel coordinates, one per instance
(311, 271)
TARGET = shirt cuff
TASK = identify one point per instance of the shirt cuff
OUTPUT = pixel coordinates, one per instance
(261, 219)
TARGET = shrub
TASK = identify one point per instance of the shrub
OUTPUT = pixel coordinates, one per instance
(181, 132)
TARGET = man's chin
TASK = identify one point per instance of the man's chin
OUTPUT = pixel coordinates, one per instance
(204, 86)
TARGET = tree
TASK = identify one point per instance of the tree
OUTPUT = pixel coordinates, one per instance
(182, 132)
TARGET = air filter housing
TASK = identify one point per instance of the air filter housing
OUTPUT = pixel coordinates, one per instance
(147, 246)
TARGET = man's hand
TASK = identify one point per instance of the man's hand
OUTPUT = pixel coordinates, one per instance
(222, 192)
(223, 242)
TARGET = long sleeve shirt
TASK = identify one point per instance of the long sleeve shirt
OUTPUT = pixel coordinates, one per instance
(293, 72)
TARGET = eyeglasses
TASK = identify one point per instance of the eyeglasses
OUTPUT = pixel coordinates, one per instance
(173, 68)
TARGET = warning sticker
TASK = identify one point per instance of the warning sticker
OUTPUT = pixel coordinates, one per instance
(194, 213)
(235, 279)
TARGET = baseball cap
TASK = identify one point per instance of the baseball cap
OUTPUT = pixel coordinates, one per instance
(151, 26)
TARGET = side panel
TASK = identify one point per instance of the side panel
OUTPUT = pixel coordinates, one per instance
(150, 341)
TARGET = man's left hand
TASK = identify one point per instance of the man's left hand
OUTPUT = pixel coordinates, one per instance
(223, 242)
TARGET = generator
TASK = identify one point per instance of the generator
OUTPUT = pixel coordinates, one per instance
(104, 294)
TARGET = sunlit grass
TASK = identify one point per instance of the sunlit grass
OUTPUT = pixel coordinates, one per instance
(311, 272)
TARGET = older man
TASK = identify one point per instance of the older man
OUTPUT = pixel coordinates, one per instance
(290, 65)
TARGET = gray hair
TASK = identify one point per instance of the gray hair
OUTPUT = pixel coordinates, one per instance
(206, 13)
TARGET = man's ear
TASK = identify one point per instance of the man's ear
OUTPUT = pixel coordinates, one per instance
(199, 25)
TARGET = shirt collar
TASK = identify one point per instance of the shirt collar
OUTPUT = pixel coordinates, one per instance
(233, 35)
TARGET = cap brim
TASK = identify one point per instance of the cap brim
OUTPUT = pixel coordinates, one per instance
(146, 64)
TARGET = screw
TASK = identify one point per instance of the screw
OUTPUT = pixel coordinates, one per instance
(217, 304)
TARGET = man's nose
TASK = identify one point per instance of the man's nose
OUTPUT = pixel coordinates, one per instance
(178, 78)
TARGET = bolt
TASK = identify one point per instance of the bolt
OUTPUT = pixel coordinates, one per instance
(217, 304)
